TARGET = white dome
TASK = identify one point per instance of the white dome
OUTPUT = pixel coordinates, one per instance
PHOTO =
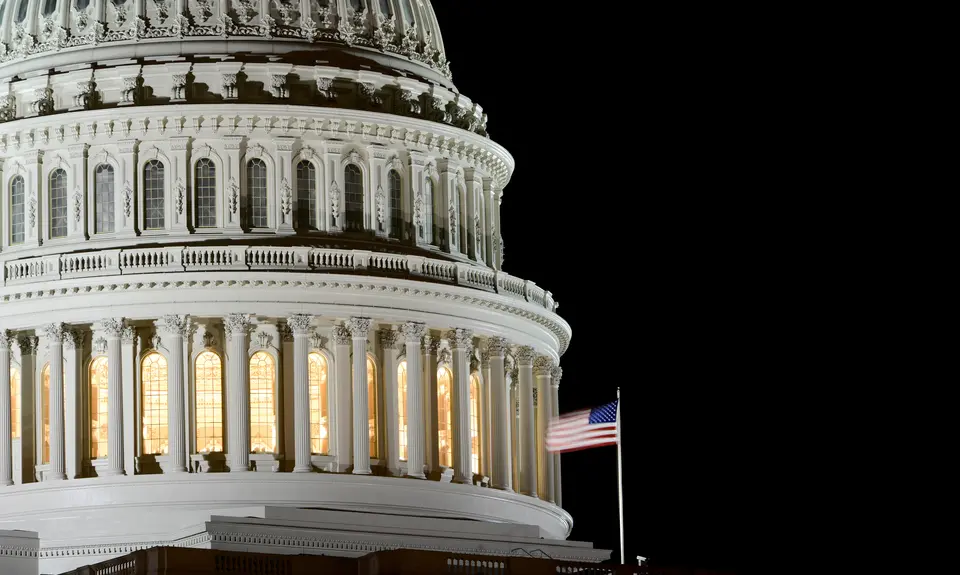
(394, 34)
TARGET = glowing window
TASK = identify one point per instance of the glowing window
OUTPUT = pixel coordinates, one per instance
(99, 437)
(103, 185)
(58, 203)
(263, 410)
(153, 195)
(317, 372)
(45, 411)
(153, 382)
(396, 211)
(427, 231)
(205, 176)
(15, 401)
(353, 194)
(17, 209)
(257, 188)
(307, 194)
(208, 373)
(445, 416)
(402, 407)
(475, 422)
(372, 405)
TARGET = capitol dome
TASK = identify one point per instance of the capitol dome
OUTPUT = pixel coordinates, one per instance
(252, 267)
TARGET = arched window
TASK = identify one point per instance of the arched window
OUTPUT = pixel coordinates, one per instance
(15, 405)
(3, 8)
(205, 183)
(357, 5)
(317, 378)
(22, 11)
(263, 408)
(49, 6)
(396, 208)
(372, 404)
(99, 407)
(45, 412)
(257, 188)
(445, 416)
(153, 382)
(208, 373)
(17, 208)
(81, 4)
(103, 200)
(402, 407)
(475, 422)
(58, 203)
(307, 194)
(385, 8)
(153, 195)
(426, 232)
(407, 11)
(353, 192)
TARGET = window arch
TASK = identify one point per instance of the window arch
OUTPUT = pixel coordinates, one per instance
(263, 407)
(99, 408)
(58, 203)
(15, 405)
(402, 407)
(372, 405)
(475, 422)
(45, 413)
(208, 375)
(319, 413)
(153, 383)
(353, 193)
(257, 189)
(17, 208)
(427, 231)
(445, 416)
(205, 184)
(153, 194)
(396, 207)
(103, 184)
(307, 194)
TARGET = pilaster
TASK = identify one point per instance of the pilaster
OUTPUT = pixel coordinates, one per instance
(300, 324)
(489, 222)
(359, 329)
(474, 189)
(448, 216)
(78, 193)
(232, 201)
(412, 333)
(343, 407)
(286, 200)
(73, 402)
(379, 220)
(238, 392)
(35, 209)
(180, 180)
(115, 330)
(388, 350)
(55, 334)
(28, 408)
(461, 342)
(542, 367)
(500, 412)
(430, 347)
(528, 445)
(416, 200)
(6, 411)
(333, 186)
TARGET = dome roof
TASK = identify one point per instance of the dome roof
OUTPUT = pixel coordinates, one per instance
(398, 35)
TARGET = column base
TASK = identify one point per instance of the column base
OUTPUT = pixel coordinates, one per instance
(362, 472)
(503, 488)
(111, 473)
(415, 476)
(463, 481)
(239, 470)
(303, 469)
(56, 476)
(6, 483)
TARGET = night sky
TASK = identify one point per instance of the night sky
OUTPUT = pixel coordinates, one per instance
(640, 280)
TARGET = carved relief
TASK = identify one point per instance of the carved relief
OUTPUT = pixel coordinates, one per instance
(335, 201)
(381, 207)
(286, 10)
(233, 196)
(341, 335)
(543, 365)
(359, 326)
(42, 101)
(162, 10)
(127, 199)
(317, 341)
(228, 86)
(28, 344)
(99, 346)
(77, 205)
(180, 196)
(279, 84)
(246, 10)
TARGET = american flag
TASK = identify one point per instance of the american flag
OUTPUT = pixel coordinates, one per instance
(584, 429)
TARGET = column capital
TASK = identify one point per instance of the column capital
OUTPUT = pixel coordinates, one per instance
(388, 338)
(496, 346)
(238, 323)
(514, 375)
(55, 331)
(73, 339)
(543, 365)
(460, 339)
(28, 344)
(176, 325)
(556, 374)
(113, 327)
(7, 337)
(525, 354)
(474, 364)
(413, 331)
(360, 327)
(430, 344)
(128, 336)
(484, 358)
(341, 335)
(300, 323)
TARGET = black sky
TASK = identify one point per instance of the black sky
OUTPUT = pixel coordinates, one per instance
(642, 283)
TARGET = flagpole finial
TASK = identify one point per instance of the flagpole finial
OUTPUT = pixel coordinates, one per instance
(618, 392)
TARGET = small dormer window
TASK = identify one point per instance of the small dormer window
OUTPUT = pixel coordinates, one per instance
(22, 11)
(385, 8)
(357, 5)
(81, 5)
(49, 7)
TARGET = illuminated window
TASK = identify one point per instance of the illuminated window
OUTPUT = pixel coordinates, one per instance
(307, 194)
(396, 209)
(317, 372)
(372, 405)
(103, 205)
(45, 411)
(402, 403)
(17, 210)
(353, 197)
(58, 203)
(263, 410)
(208, 372)
(257, 188)
(15, 401)
(475, 422)
(153, 195)
(98, 408)
(445, 417)
(205, 178)
(153, 382)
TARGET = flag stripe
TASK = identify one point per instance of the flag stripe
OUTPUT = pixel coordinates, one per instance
(571, 432)
(584, 429)
(587, 444)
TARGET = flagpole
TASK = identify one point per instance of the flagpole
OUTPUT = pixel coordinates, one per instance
(623, 557)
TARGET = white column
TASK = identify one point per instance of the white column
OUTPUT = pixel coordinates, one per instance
(300, 324)
(391, 390)
(513, 378)
(6, 423)
(528, 444)
(343, 439)
(431, 430)
(78, 191)
(359, 328)
(128, 375)
(175, 329)
(55, 334)
(501, 476)
(238, 392)
(114, 329)
(73, 412)
(486, 423)
(542, 367)
(555, 376)
(28, 389)
(461, 340)
(412, 334)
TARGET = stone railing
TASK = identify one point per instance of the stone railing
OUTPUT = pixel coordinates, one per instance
(259, 258)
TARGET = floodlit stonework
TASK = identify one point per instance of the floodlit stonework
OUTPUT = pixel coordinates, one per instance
(252, 256)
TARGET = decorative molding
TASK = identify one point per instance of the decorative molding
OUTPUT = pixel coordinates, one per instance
(318, 341)
(177, 324)
(238, 323)
(460, 339)
(300, 324)
(359, 327)
(73, 339)
(496, 346)
(543, 365)
(525, 355)
(128, 336)
(113, 327)
(7, 337)
(99, 346)
(341, 335)
(28, 344)
(413, 331)
(430, 345)
(556, 374)
(388, 338)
